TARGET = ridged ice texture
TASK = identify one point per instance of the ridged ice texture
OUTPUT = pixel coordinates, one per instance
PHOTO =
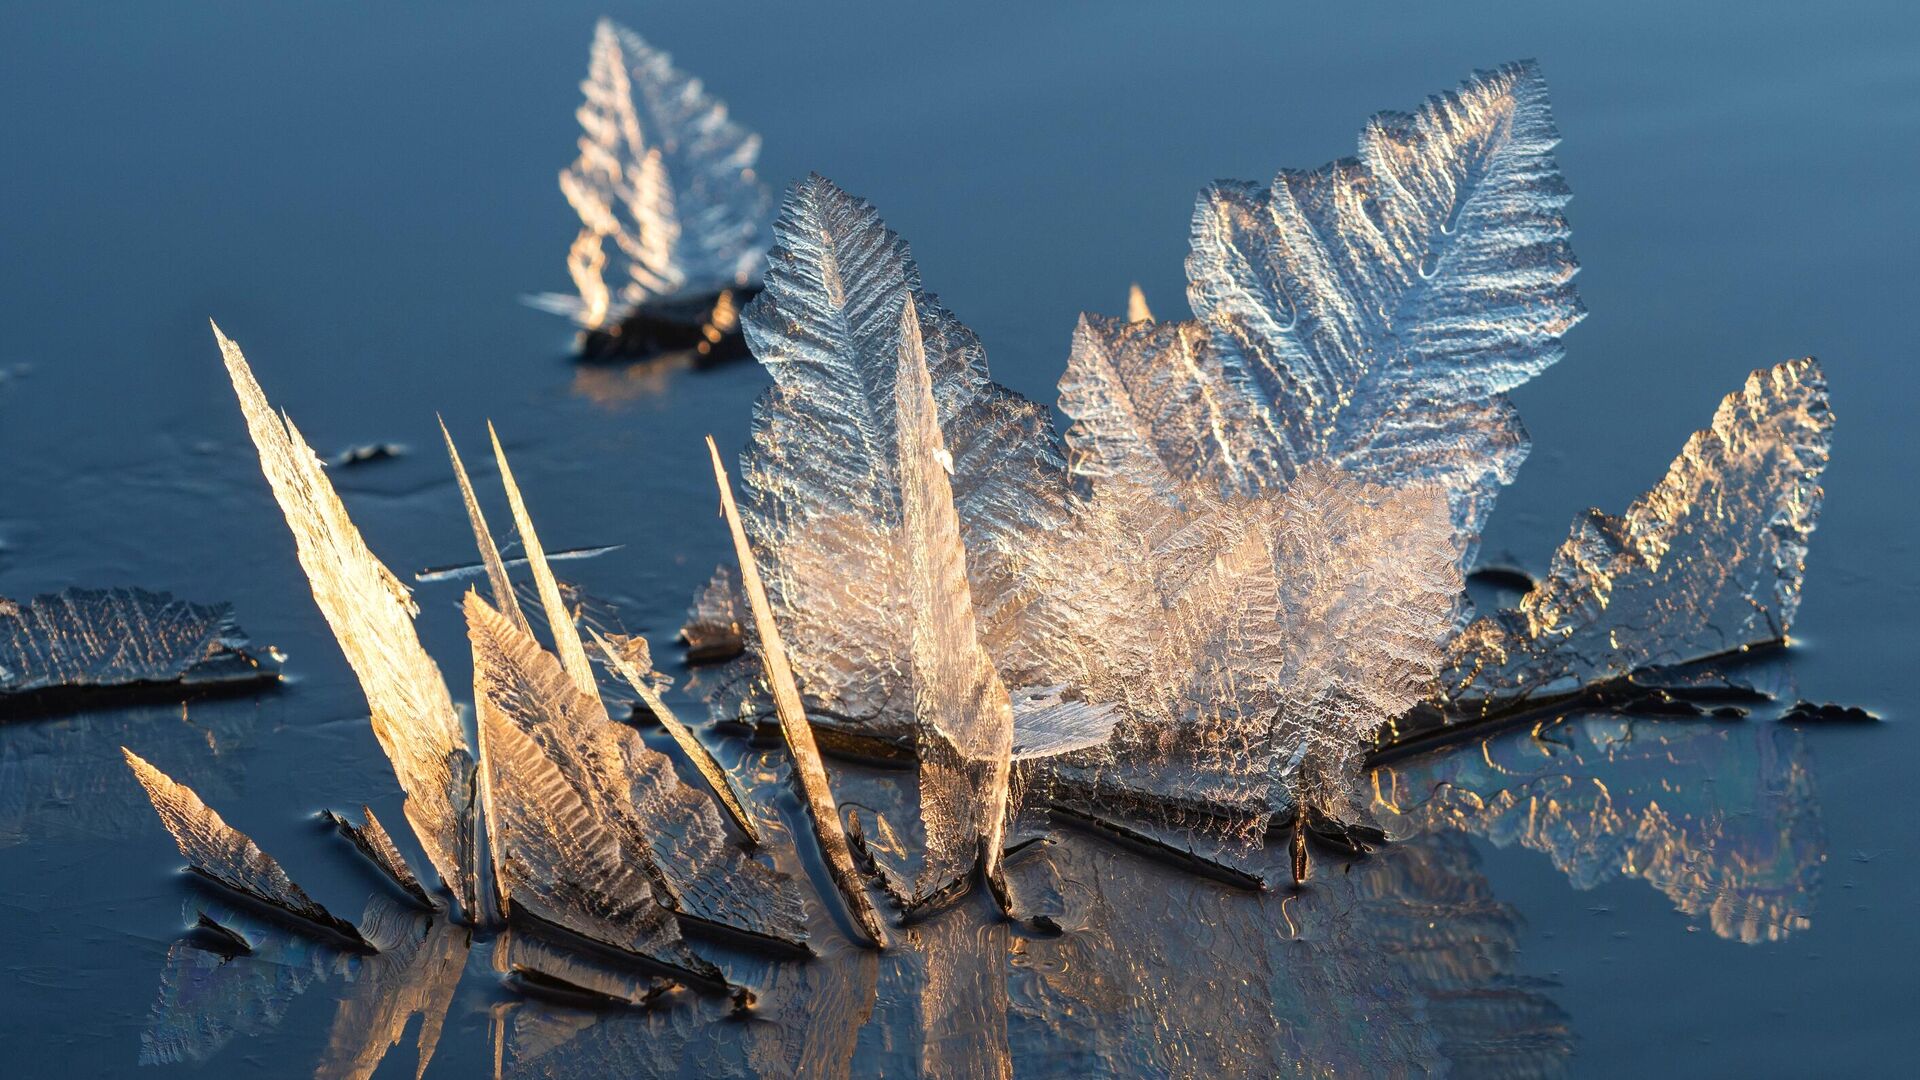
(371, 615)
(556, 858)
(822, 503)
(216, 849)
(105, 638)
(1709, 561)
(1374, 312)
(665, 187)
(663, 831)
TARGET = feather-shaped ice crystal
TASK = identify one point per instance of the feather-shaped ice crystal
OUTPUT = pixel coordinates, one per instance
(226, 855)
(1710, 561)
(670, 206)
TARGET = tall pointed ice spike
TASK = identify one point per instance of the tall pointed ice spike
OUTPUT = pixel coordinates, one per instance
(371, 615)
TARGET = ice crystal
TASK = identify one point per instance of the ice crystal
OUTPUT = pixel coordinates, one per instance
(1374, 312)
(715, 628)
(556, 859)
(669, 203)
(371, 614)
(663, 825)
(808, 770)
(1710, 561)
(371, 840)
(822, 476)
(220, 852)
(660, 827)
(119, 640)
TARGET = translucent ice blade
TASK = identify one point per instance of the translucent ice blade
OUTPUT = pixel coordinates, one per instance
(566, 637)
(669, 831)
(371, 840)
(82, 639)
(217, 850)
(959, 702)
(1377, 310)
(665, 185)
(497, 580)
(808, 769)
(1709, 561)
(371, 615)
(822, 501)
(559, 862)
(697, 753)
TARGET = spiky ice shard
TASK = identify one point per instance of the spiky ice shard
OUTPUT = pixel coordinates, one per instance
(1374, 312)
(81, 640)
(220, 852)
(1708, 562)
(371, 615)
(666, 835)
(555, 859)
(670, 206)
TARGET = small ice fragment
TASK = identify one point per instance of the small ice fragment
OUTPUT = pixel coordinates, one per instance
(66, 645)
(217, 851)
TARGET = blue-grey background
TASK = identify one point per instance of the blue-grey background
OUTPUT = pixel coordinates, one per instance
(359, 194)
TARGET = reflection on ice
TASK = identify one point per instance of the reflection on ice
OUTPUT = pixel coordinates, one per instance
(1722, 818)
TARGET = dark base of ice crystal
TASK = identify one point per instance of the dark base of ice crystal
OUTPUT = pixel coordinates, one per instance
(687, 325)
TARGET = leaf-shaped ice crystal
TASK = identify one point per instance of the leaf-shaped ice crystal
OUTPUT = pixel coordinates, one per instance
(119, 640)
(217, 850)
(661, 828)
(1374, 312)
(1710, 561)
(669, 203)
(371, 615)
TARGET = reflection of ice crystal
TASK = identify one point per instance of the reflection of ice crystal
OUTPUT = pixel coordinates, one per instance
(1708, 562)
(1721, 818)
(664, 185)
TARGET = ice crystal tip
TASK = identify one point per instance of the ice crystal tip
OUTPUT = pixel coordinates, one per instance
(371, 615)
(217, 850)
(1709, 561)
(665, 186)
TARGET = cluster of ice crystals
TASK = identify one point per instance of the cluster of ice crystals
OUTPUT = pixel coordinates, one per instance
(665, 187)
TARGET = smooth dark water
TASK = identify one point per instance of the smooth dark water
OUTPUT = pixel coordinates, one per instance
(360, 198)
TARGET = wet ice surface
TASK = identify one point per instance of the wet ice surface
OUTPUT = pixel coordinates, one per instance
(91, 901)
